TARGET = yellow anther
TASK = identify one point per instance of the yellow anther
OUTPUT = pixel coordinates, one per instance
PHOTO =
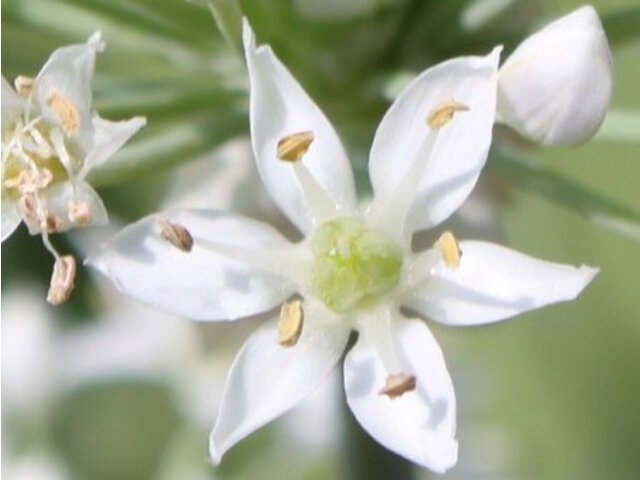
(293, 147)
(24, 85)
(398, 384)
(290, 323)
(449, 249)
(61, 285)
(67, 113)
(79, 213)
(443, 114)
(176, 234)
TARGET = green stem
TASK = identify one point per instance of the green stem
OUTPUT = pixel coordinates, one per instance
(595, 207)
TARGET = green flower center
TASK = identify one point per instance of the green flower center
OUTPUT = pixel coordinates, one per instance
(353, 265)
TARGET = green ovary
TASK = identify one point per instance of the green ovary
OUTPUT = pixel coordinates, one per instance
(353, 265)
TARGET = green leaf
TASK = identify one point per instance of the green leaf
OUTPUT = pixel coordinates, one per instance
(595, 207)
(228, 17)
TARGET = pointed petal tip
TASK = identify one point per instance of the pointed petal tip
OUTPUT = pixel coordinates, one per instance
(95, 41)
(215, 453)
(248, 37)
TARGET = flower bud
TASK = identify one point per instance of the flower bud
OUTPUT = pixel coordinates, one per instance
(556, 86)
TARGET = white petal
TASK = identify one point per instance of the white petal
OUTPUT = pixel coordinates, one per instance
(10, 218)
(424, 173)
(205, 283)
(12, 104)
(69, 72)
(556, 86)
(267, 379)
(279, 108)
(108, 138)
(420, 424)
(494, 283)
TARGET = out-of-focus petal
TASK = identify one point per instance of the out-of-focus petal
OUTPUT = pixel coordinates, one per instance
(493, 283)
(279, 108)
(556, 86)
(69, 73)
(10, 218)
(419, 424)
(216, 280)
(421, 174)
(12, 103)
(108, 138)
(267, 379)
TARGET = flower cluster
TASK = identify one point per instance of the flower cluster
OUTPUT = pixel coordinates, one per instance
(51, 139)
(355, 269)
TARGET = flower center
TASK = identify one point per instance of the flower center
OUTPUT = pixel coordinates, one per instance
(353, 265)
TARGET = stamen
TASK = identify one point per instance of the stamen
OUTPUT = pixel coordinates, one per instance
(290, 323)
(398, 384)
(64, 272)
(450, 250)
(29, 207)
(176, 234)
(79, 213)
(28, 183)
(24, 85)
(443, 114)
(293, 147)
(67, 113)
(52, 223)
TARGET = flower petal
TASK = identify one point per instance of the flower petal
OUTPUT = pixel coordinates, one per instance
(216, 280)
(12, 104)
(10, 218)
(267, 379)
(420, 424)
(421, 174)
(69, 72)
(280, 108)
(494, 283)
(556, 86)
(108, 138)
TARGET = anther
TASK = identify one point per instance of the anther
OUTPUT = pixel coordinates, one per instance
(52, 223)
(398, 384)
(28, 182)
(30, 209)
(67, 113)
(293, 147)
(449, 249)
(24, 85)
(443, 114)
(79, 213)
(290, 323)
(176, 234)
(64, 272)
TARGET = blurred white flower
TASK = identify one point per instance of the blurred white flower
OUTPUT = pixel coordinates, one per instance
(556, 86)
(51, 139)
(355, 269)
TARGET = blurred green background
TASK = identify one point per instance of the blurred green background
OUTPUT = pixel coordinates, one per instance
(104, 389)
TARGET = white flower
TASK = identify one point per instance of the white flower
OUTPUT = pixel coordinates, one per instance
(355, 268)
(556, 86)
(51, 139)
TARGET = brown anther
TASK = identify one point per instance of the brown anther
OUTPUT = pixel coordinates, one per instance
(67, 113)
(290, 323)
(293, 147)
(176, 234)
(28, 182)
(79, 213)
(29, 208)
(398, 384)
(24, 85)
(443, 114)
(449, 249)
(52, 223)
(64, 272)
